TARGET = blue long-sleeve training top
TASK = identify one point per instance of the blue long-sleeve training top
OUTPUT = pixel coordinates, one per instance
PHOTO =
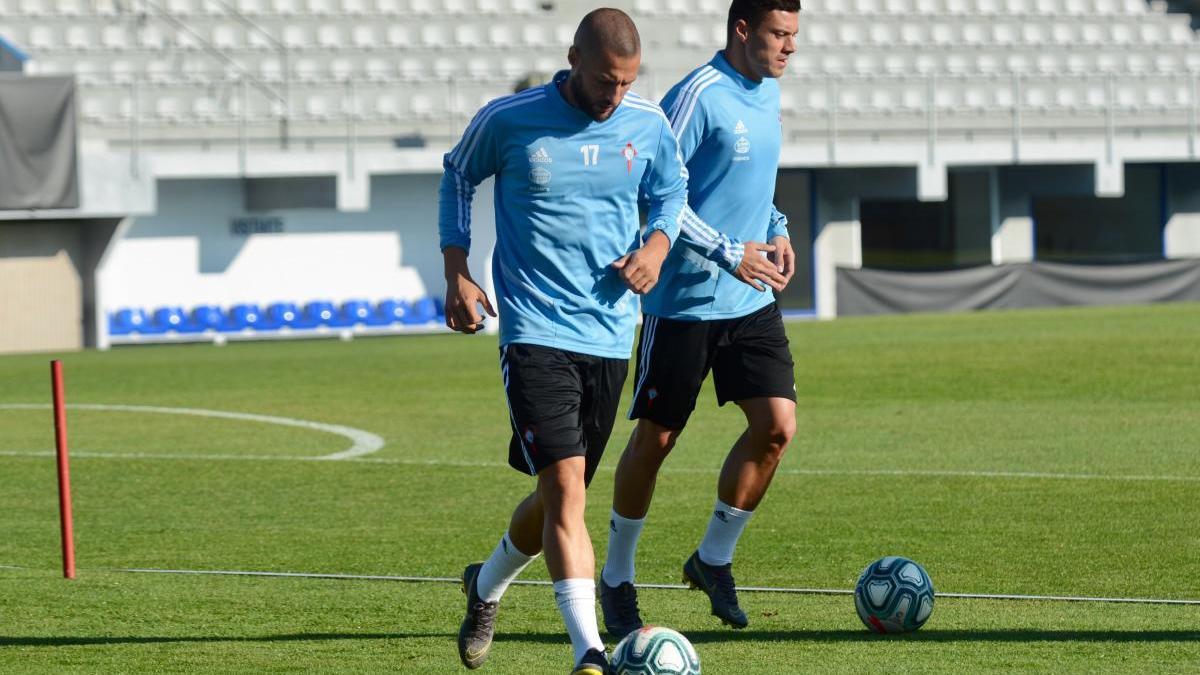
(566, 197)
(729, 133)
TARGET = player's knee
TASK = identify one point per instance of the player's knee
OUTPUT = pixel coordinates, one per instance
(777, 435)
(655, 442)
(561, 484)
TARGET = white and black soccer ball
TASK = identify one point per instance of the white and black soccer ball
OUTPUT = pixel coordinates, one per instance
(893, 595)
(654, 650)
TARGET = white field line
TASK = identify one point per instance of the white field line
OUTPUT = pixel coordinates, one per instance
(671, 587)
(364, 442)
(948, 473)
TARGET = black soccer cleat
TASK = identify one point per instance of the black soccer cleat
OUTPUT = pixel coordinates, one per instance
(594, 662)
(717, 582)
(620, 607)
(475, 635)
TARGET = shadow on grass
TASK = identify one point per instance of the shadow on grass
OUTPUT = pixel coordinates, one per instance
(65, 641)
(698, 637)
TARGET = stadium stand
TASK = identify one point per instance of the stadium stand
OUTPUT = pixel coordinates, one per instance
(984, 109)
(178, 65)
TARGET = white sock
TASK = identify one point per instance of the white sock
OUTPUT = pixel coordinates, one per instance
(623, 536)
(723, 531)
(500, 570)
(576, 600)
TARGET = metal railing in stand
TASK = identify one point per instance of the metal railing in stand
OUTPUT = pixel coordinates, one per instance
(1110, 123)
(243, 75)
(350, 107)
(285, 64)
(1192, 77)
(831, 95)
(931, 119)
(243, 112)
(134, 139)
(1016, 118)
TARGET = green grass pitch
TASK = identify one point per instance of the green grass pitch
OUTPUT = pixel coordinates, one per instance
(1036, 452)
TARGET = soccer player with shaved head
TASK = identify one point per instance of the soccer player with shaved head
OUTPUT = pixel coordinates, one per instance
(697, 319)
(569, 160)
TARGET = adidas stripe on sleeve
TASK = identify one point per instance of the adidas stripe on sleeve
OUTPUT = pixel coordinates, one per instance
(468, 164)
(688, 124)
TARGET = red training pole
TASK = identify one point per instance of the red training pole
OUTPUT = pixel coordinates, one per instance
(64, 470)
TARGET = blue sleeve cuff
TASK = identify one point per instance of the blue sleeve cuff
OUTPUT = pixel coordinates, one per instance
(663, 225)
(778, 226)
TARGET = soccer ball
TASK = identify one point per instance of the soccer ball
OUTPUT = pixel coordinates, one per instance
(654, 650)
(893, 595)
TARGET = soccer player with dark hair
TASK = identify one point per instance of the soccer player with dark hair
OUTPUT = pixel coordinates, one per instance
(726, 116)
(569, 159)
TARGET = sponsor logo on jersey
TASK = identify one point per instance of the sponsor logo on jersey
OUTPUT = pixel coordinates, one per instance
(742, 145)
(540, 156)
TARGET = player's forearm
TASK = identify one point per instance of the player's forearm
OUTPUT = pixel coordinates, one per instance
(658, 243)
(719, 247)
(454, 263)
(454, 210)
(666, 215)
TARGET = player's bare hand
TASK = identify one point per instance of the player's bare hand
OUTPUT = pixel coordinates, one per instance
(784, 258)
(463, 295)
(640, 269)
(463, 299)
(757, 268)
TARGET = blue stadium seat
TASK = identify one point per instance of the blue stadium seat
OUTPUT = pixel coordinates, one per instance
(389, 312)
(424, 310)
(285, 314)
(356, 311)
(241, 317)
(319, 313)
(202, 318)
(269, 321)
(169, 318)
(126, 321)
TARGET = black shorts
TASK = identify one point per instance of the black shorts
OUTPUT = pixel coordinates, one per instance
(749, 357)
(562, 404)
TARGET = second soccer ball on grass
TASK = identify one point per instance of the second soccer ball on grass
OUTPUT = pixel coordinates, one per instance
(893, 595)
(654, 650)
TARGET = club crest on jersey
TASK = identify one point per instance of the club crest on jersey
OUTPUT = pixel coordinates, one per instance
(539, 175)
(629, 152)
(540, 178)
